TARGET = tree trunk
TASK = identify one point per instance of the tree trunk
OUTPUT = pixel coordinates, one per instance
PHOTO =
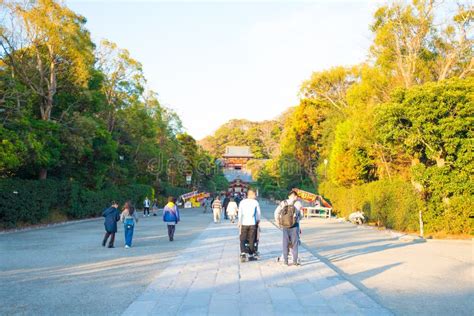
(43, 174)
(422, 232)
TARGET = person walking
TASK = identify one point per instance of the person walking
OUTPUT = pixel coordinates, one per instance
(249, 218)
(112, 216)
(206, 204)
(238, 198)
(129, 218)
(225, 203)
(171, 216)
(232, 210)
(217, 209)
(287, 216)
(146, 207)
(154, 208)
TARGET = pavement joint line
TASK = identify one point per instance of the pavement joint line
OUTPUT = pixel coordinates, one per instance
(50, 225)
(264, 281)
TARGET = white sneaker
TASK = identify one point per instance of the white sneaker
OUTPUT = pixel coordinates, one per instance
(127, 246)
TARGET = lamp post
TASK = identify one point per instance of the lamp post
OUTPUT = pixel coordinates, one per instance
(189, 178)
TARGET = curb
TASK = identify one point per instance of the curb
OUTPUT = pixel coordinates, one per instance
(44, 226)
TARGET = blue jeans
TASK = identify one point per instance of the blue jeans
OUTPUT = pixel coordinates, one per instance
(128, 235)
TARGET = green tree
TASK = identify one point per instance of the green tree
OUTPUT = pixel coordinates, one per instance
(123, 83)
(55, 49)
(433, 124)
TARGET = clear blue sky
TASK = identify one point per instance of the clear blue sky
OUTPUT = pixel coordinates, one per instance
(213, 61)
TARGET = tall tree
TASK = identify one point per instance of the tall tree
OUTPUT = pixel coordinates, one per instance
(45, 44)
(330, 86)
(453, 46)
(401, 40)
(123, 79)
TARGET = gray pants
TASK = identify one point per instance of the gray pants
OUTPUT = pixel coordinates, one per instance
(290, 239)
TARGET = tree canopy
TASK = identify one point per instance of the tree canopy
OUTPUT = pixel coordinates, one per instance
(75, 110)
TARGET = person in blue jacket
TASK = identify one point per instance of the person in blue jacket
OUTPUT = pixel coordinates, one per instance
(112, 216)
(171, 216)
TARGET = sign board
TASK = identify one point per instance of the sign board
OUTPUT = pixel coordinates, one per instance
(311, 197)
(189, 195)
(195, 195)
(307, 196)
(202, 196)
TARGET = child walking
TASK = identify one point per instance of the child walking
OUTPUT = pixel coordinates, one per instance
(129, 218)
(112, 216)
(171, 216)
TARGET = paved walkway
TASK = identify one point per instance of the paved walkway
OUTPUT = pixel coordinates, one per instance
(64, 270)
(207, 278)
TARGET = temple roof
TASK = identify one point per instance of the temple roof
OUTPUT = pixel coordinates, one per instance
(238, 151)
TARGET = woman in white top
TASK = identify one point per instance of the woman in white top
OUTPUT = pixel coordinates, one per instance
(232, 210)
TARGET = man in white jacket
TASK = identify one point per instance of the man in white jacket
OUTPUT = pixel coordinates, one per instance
(249, 218)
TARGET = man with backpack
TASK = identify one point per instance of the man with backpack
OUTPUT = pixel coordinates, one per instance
(287, 216)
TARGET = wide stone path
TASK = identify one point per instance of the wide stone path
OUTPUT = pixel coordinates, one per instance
(207, 278)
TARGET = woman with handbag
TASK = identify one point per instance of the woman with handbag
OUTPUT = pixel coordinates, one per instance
(129, 218)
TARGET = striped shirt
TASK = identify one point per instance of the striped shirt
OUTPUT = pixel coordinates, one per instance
(217, 204)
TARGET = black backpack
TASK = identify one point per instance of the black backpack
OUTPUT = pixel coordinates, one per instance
(287, 218)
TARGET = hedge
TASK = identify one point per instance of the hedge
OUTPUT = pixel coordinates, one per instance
(24, 202)
(393, 204)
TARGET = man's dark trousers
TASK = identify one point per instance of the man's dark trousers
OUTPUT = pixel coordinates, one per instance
(290, 237)
(112, 239)
(248, 233)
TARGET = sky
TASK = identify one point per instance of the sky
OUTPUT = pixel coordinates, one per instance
(219, 60)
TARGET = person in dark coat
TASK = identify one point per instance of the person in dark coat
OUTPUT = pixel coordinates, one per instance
(112, 216)
(224, 206)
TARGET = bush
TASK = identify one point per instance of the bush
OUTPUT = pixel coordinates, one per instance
(28, 201)
(33, 201)
(393, 204)
(87, 203)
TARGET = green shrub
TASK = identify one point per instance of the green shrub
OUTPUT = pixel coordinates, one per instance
(393, 204)
(25, 202)
(87, 203)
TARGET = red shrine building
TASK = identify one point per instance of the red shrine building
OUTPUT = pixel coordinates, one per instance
(234, 163)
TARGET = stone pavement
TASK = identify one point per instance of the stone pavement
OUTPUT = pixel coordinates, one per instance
(207, 278)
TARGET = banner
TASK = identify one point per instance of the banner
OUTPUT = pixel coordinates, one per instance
(196, 195)
(311, 197)
(189, 195)
(202, 196)
(307, 196)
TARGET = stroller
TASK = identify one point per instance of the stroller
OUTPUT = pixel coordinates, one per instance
(256, 255)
